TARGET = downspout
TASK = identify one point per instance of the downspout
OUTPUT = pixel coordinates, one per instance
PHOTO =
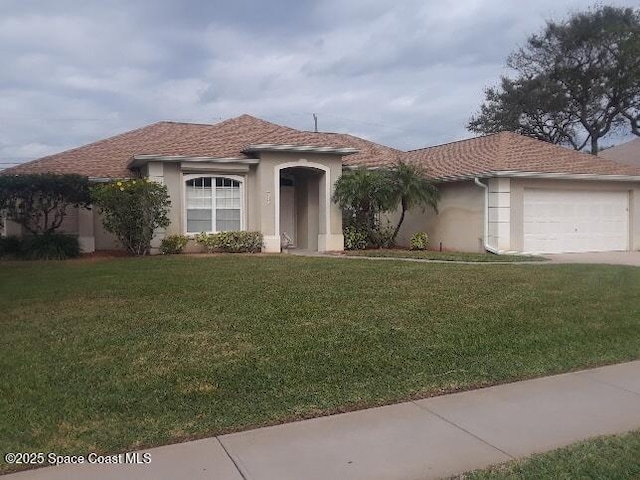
(485, 240)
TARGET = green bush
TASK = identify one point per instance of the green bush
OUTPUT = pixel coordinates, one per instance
(39, 202)
(355, 238)
(48, 246)
(52, 246)
(173, 244)
(10, 247)
(231, 242)
(419, 241)
(132, 210)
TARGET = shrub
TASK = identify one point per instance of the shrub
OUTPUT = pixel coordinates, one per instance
(419, 241)
(132, 210)
(355, 238)
(173, 244)
(231, 242)
(10, 247)
(51, 246)
(39, 202)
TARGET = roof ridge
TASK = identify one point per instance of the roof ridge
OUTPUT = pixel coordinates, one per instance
(275, 128)
(371, 141)
(185, 123)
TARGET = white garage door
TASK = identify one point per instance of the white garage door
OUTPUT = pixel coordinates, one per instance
(557, 221)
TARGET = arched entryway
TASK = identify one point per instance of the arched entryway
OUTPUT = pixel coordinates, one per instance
(302, 194)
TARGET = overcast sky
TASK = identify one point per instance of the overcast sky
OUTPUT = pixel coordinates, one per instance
(405, 73)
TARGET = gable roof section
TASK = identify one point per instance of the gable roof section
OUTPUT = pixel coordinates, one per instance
(109, 157)
(508, 152)
(628, 153)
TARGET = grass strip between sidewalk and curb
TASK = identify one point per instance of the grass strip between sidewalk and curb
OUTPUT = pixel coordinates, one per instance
(610, 457)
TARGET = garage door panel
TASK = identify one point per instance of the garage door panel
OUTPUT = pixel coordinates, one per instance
(558, 221)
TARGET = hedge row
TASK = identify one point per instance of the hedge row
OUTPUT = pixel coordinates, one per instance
(50, 246)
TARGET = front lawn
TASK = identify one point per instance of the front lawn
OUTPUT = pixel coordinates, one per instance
(110, 355)
(444, 256)
(610, 457)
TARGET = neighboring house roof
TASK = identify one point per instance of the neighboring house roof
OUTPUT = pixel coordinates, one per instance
(239, 137)
(508, 152)
(628, 153)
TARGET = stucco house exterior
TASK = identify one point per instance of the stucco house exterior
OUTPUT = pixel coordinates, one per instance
(240, 174)
(501, 193)
(509, 193)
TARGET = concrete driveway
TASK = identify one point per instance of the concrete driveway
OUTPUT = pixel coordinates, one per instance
(609, 258)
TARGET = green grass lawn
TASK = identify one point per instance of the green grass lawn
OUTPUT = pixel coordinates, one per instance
(444, 256)
(612, 457)
(117, 354)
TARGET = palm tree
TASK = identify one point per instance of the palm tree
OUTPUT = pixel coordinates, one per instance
(362, 194)
(411, 188)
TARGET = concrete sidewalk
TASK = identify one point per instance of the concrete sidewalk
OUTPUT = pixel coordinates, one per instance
(431, 438)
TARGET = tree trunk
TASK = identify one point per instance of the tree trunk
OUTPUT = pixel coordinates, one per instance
(594, 146)
(404, 209)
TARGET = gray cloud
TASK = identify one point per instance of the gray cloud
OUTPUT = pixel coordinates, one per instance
(407, 74)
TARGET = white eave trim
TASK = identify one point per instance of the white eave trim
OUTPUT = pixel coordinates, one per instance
(556, 176)
(139, 160)
(272, 147)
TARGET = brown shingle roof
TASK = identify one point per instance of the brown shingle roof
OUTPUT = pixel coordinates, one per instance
(477, 156)
(109, 157)
(510, 152)
(369, 153)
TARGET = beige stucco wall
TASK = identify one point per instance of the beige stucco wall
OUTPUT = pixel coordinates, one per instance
(268, 186)
(459, 225)
(260, 189)
(517, 203)
(103, 240)
(12, 228)
(172, 177)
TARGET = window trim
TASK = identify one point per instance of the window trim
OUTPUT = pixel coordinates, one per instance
(186, 177)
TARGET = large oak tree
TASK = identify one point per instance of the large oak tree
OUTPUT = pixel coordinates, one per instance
(575, 82)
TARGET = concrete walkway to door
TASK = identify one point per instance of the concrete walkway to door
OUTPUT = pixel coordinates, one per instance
(431, 438)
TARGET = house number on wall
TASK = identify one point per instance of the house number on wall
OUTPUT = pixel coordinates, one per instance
(268, 198)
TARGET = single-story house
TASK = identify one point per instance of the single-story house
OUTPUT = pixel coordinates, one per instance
(502, 192)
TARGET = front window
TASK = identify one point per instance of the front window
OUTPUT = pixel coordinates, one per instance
(214, 204)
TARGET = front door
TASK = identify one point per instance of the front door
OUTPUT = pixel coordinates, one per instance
(287, 213)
